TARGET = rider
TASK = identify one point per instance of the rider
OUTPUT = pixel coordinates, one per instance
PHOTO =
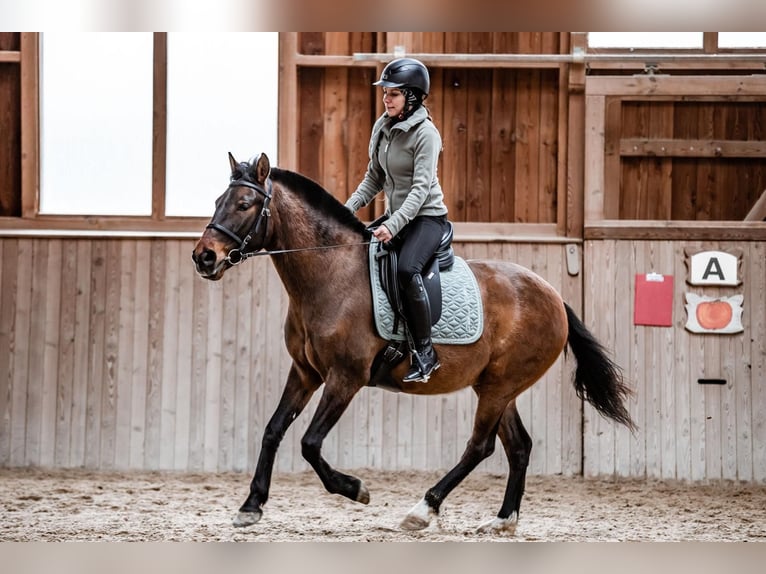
(404, 152)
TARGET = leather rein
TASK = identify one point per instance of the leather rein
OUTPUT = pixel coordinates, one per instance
(238, 254)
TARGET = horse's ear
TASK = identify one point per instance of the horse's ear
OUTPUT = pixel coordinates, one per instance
(260, 168)
(233, 163)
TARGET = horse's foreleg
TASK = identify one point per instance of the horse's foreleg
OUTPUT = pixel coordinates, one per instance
(332, 405)
(296, 395)
(480, 446)
(518, 445)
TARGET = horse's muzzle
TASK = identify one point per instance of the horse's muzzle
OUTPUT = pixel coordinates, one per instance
(207, 264)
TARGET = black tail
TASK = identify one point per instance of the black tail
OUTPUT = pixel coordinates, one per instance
(597, 379)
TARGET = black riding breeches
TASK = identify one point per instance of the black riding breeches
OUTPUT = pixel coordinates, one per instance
(420, 240)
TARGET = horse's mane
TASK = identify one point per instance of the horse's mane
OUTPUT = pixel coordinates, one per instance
(319, 198)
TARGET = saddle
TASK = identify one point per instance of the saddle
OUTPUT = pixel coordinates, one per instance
(387, 258)
(384, 259)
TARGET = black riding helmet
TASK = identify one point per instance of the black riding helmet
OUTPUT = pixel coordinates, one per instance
(405, 73)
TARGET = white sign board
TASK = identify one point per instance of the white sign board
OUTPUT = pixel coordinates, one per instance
(722, 315)
(713, 268)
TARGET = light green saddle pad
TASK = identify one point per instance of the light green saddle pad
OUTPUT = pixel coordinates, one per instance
(462, 318)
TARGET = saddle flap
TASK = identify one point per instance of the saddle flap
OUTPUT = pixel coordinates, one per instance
(387, 259)
(462, 313)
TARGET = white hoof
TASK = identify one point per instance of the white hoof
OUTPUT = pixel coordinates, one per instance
(246, 518)
(500, 525)
(419, 517)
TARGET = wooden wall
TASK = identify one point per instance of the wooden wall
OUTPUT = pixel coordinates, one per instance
(665, 179)
(688, 430)
(119, 356)
(500, 127)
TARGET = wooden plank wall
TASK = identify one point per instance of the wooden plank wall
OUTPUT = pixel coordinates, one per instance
(499, 126)
(688, 431)
(682, 183)
(115, 355)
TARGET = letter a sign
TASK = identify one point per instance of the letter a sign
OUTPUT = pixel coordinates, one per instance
(714, 268)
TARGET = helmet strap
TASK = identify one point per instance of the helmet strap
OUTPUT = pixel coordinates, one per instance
(413, 100)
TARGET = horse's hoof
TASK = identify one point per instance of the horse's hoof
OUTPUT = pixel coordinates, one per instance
(247, 518)
(419, 517)
(414, 523)
(363, 495)
(500, 525)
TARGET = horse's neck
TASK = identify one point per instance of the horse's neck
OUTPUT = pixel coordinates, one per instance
(318, 274)
(322, 262)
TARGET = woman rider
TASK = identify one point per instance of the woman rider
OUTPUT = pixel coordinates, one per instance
(404, 152)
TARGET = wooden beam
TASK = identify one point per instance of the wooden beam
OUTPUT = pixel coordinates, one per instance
(288, 114)
(159, 124)
(676, 86)
(574, 144)
(462, 60)
(595, 112)
(639, 147)
(9, 57)
(103, 224)
(676, 230)
(758, 211)
(699, 66)
(30, 124)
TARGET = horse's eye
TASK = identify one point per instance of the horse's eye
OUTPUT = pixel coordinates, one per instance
(243, 207)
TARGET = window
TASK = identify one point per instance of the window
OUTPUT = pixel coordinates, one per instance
(645, 39)
(96, 124)
(742, 39)
(222, 97)
(706, 41)
(126, 118)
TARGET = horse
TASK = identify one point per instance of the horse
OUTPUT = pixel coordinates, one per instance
(320, 252)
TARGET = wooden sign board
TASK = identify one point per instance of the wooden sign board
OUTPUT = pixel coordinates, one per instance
(718, 315)
(714, 268)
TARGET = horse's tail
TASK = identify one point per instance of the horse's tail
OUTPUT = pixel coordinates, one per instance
(597, 379)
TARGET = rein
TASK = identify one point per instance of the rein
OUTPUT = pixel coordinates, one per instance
(244, 256)
(238, 255)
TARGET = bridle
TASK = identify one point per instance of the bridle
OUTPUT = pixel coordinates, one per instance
(238, 255)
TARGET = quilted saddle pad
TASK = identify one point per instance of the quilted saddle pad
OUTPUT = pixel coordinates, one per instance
(462, 319)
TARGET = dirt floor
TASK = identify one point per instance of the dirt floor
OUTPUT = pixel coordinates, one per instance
(67, 505)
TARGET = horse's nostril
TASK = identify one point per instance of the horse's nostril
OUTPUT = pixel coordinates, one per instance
(208, 257)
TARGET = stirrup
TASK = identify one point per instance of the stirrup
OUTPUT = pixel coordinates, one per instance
(420, 372)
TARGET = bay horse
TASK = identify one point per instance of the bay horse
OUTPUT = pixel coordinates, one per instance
(320, 252)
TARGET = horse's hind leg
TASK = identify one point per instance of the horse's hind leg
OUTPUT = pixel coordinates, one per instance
(480, 446)
(518, 445)
(296, 395)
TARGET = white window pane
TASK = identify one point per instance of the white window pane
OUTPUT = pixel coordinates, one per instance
(645, 39)
(742, 39)
(222, 97)
(96, 123)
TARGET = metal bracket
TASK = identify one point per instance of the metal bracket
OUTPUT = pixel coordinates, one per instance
(651, 68)
(573, 259)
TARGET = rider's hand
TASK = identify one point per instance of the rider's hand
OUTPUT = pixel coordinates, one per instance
(382, 234)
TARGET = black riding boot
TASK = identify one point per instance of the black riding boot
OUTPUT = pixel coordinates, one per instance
(424, 359)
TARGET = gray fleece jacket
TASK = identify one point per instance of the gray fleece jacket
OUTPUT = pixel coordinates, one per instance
(403, 164)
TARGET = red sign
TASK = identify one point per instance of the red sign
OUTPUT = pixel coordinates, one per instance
(654, 300)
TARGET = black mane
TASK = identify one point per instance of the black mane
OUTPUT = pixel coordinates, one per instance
(318, 197)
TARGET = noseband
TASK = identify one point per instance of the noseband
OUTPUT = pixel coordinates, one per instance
(238, 255)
